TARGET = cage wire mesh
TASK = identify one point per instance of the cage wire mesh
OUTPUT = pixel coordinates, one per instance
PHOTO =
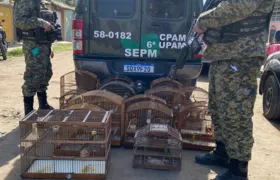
(75, 83)
(85, 106)
(196, 127)
(142, 113)
(62, 143)
(121, 78)
(195, 94)
(174, 97)
(157, 146)
(143, 97)
(110, 102)
(120, 88)
(166, 82)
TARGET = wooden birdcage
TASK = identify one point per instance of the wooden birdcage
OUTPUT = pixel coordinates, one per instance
(142, 113)
(85, 106)
(158, 146)
(108, 101)
(143, 97)
(121, 78)
(196, 127)
(120, 85)
(166, 82)
(75, 83)
(174, 97)
(65, 144)
(120, 88)
(195, 94)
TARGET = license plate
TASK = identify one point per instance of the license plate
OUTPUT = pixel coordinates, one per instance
(138, 68)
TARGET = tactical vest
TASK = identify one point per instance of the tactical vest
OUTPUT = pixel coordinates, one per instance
(229, 33)
(39, 35)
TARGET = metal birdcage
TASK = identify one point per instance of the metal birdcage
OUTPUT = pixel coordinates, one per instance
(75, 83)
(142, 113)
(174, 97)
(196, 127)
(143, 97)
(65, 144)
(166, 82)
(158, 146)
(108, 101)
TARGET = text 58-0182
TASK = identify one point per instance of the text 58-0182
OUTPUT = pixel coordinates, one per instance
(112, 35)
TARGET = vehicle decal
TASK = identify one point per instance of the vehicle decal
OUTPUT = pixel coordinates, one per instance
(149, 47)
(112, 35)
(151, 44)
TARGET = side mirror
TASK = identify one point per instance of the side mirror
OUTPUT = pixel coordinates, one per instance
(277, 36)
(3, 20)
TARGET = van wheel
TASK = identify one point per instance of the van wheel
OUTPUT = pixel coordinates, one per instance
(271, 99)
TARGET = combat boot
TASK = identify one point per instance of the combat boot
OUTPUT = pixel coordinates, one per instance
(43, 103)
(238, 170)
(28, 104)
(218, 157)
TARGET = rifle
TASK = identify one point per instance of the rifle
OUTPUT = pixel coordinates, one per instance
(192, 45)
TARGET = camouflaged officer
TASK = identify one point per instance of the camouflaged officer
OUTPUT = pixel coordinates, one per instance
(235, 33)
(37, 52)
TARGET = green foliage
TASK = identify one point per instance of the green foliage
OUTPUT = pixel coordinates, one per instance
(56, 48)
(63, 47)
(15, 53)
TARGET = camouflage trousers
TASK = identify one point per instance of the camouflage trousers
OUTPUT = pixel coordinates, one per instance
(38, 71)
(232, 95)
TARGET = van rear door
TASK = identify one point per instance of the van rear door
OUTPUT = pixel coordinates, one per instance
(114, 27)
(165, 24)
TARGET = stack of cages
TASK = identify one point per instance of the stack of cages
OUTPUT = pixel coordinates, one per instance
(139, 114)
(102, 100)
(171, 91)
(158, 146)
(65, 144)
(120, 85)
(75, 83)
(194, 121)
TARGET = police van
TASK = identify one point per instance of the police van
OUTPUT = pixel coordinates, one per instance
(140, 39)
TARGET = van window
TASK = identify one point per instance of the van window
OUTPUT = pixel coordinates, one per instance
(115, 8)
(166, 9)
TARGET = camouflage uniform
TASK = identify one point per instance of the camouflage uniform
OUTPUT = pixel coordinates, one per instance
(233, 76)
(38, 70)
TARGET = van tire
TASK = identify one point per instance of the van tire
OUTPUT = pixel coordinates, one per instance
(271, 99)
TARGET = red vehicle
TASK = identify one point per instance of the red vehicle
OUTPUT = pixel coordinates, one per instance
(270, 81)
(273, 47)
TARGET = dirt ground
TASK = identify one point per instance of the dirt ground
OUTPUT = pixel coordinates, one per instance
(265, 164)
